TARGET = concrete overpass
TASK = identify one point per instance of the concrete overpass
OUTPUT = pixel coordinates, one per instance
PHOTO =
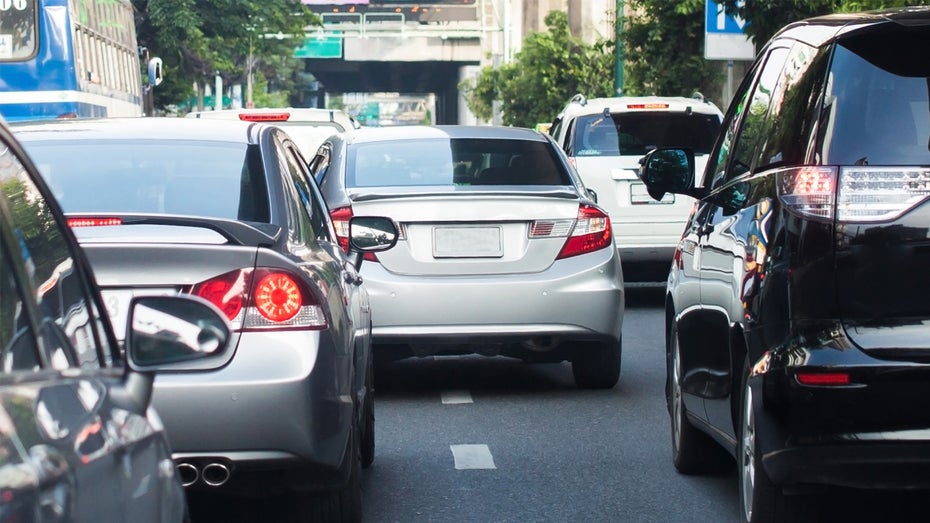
(404, 50)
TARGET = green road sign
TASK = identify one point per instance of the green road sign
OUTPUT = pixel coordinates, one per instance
(328, 47)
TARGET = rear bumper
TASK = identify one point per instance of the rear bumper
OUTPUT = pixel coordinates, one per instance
(275, 405)
(873, 432)
(576, 298)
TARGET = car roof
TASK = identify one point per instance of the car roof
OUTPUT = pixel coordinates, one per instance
(135, 128)
(821, 30)
(579, 105)
(294, 115)
(421, 132)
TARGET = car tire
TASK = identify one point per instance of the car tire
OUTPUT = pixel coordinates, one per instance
(693, 452)
(762, 501)
(368, 418)
(340, 505)
(597, 365)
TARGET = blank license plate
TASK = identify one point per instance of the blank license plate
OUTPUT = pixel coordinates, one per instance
(640, 196)
(467, 242)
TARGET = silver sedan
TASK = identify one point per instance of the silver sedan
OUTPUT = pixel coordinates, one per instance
(501, 251)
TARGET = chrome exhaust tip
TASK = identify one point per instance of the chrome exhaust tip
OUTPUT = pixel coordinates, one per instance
(215, 474)
(188, 473)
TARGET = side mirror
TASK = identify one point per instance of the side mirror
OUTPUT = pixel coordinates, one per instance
(667, 170)
(155, 72)
(173, 332)
(372, 233)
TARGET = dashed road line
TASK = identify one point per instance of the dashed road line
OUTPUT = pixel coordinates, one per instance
(472, 457)
(456, 397)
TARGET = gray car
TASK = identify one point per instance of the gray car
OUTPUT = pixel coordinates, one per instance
(79, 440)
(502, 250)
(225, 210)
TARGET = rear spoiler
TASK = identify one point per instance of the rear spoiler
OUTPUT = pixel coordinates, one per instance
(557, 191)
(239, 233)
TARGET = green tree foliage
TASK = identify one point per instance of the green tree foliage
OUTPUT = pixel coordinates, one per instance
(664, 49)
(551, 67)
(198, 38)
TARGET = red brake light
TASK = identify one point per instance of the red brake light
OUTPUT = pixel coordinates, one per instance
(823, 378)
(264, 117)
(647, 106)
(277, 297)
(592, 232)
(93, 222)
(279, 300)
(227, 291)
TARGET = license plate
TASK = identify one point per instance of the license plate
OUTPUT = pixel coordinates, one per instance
(117, 301)
(640, 196)
(467, 242)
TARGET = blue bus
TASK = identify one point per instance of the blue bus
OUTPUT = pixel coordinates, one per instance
(68, 58)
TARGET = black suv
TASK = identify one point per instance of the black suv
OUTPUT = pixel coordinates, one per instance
(798, 301)
(79, 440)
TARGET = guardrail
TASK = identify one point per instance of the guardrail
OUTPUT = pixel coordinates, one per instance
(392, 25)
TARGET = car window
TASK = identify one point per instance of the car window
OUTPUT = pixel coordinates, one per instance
(877, 101)
(315, 214)
(454, 162)
(636, 133)
(320, 163)
(17, 339)
(217, 179)
(70, 331)
(792, 113)
(720, 158)
(751, 131)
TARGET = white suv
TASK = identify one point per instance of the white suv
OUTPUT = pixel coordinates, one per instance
(606, 137)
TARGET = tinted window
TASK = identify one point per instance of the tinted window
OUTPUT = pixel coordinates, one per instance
(877, 101)
(623, 134)
(223, 180)
(792, 114)
(454, 162)
(752, 131)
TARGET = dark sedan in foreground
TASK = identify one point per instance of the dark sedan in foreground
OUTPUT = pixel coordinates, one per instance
(502, 250)
(225, 210)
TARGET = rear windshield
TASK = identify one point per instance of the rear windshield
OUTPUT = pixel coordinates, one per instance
(635, 134)
(454, 162)
(213, 179)
(876, 106)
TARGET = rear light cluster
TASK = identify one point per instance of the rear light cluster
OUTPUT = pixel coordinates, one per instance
(262, 299)
(854, 194)
(341, 217)
(588, 233)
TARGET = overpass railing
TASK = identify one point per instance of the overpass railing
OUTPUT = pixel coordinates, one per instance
(392, 25)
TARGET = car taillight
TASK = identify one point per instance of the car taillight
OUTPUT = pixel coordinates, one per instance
(870, 194)
(808, 191)
(266, 298)
(94, 222)
(823, 378)
(341, 217)
(591, 233)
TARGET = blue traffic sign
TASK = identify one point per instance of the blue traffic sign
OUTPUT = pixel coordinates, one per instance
(717, 21)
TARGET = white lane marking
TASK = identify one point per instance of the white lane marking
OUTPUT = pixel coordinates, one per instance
(456, 397)
(472, 457)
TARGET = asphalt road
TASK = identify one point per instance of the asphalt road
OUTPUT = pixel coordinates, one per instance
(476, 439)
